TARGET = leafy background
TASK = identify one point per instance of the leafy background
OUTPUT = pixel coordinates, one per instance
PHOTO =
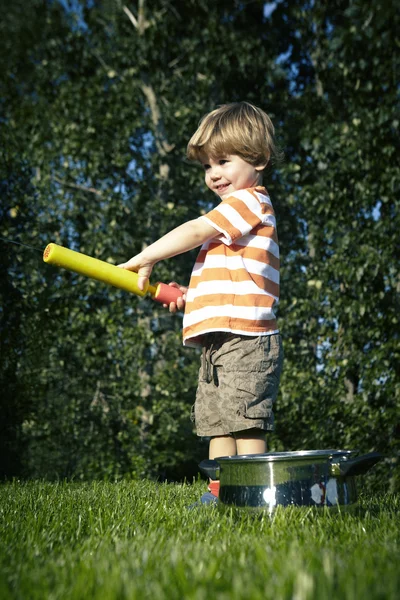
(98, 101)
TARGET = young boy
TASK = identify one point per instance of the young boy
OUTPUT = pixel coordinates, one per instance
(234, 287)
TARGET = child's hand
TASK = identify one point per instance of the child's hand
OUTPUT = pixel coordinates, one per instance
(180, 303)
(141, 266)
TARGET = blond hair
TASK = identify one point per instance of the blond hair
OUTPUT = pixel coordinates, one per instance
(237, 128)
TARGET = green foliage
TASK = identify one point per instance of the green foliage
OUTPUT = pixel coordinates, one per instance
(138, 540)
(98, 103)
(341, 323)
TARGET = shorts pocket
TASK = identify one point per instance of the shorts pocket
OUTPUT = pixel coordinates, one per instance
(253, 404)
(260, 410)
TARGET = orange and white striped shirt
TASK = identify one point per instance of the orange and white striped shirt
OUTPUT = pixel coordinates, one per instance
(234, 285)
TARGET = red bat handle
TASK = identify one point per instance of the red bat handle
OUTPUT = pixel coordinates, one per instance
(165, 294)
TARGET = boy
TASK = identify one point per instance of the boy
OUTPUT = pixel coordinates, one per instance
(234, 287)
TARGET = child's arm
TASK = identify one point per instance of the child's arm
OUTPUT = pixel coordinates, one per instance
(179, 240)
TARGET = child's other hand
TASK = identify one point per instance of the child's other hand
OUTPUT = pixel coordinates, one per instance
(180, 303)
(141, 266)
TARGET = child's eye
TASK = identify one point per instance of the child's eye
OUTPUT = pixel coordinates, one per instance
(222, 161)
(206, 167)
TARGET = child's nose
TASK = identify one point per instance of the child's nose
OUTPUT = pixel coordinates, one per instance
(215, 175)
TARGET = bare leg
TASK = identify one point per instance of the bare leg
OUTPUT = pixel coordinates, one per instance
(224, 445)
(250, 441)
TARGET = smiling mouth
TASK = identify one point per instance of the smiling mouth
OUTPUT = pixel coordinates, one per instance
(222, 187)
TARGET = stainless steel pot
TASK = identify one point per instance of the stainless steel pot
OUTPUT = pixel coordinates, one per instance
(319, 478)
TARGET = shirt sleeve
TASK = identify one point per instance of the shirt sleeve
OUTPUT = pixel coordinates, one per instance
(235, 216)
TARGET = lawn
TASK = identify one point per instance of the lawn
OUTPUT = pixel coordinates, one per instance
(137, 540)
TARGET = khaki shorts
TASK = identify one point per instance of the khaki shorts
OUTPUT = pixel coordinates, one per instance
(238, 383)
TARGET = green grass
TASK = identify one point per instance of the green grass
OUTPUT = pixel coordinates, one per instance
(137, 540)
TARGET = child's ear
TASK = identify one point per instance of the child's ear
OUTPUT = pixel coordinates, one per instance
(262, 165)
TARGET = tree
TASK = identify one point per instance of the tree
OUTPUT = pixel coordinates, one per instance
(99, 101)
(108, 177)
(341, 325)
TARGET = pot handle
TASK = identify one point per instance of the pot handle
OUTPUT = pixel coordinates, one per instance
(210, 468)
(356, 466)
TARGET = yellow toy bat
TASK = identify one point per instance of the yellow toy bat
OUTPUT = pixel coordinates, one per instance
(103, 271)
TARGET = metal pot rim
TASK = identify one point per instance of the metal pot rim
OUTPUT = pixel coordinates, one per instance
(282, 456)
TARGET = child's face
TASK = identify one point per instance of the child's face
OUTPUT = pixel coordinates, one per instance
(227, 174)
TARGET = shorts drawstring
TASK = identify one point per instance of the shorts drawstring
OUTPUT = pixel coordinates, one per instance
(204, 365)
(208, 369)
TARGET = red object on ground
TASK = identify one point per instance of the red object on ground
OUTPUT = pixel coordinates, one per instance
(213, 486)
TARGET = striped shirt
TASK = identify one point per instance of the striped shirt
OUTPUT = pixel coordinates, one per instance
(234, 285)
